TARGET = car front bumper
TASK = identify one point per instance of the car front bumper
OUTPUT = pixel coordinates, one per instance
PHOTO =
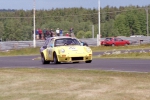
(74, 58)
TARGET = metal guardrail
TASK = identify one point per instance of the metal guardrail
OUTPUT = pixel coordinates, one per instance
(9, 45)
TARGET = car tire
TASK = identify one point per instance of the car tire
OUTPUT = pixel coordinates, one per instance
(126, 44)
(55, 59)
(113, 45)
(43, 60)
(89, 61)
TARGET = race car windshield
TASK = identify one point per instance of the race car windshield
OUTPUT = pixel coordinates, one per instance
(66, 41)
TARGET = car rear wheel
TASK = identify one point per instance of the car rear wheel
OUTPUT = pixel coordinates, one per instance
(43, 60)
(55, 59)
(88, 61)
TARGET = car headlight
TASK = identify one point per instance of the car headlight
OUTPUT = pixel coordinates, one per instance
(88, 49)
(62, 50)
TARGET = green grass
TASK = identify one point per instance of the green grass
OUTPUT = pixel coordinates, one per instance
(24, 51)
(58, 84)
(50, 84)
(127, 55)
(36, 51)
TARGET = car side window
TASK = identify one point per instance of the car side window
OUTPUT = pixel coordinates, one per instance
(119, 39)
(59, 42)
(51, 42)
(116, 39)
(108, 39)
(46, 42)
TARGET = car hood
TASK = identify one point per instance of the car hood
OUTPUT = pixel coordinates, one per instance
(75, 49)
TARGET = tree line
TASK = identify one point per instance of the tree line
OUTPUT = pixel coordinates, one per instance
(17, 25)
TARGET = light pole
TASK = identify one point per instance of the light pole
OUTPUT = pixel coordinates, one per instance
(99, 35)
(34, 42)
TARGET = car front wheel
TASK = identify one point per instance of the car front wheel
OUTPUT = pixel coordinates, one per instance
(43, 60)
(88, 61)
(55, 59)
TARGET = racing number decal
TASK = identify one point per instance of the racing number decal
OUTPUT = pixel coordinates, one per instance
(49, 52)
(72, 48)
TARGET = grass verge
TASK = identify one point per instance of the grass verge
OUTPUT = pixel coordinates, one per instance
(136, 55)
(49, 84)
(36, 51)
(23, 51)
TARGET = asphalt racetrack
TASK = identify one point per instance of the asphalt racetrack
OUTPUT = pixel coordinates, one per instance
(124, 65)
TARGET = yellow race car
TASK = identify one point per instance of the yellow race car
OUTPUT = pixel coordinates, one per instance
(65, 49)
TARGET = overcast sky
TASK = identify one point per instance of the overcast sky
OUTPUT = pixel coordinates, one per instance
(49, 4)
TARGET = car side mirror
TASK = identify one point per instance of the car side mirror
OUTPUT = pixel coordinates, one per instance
(44, 47)
(81, 44)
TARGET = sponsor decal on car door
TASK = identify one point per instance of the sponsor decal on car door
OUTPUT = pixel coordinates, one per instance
(50, 52)
(49, 49)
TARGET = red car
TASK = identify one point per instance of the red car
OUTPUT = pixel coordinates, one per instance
(115, 42)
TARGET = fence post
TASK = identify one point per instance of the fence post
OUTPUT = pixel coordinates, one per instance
(98, 42)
